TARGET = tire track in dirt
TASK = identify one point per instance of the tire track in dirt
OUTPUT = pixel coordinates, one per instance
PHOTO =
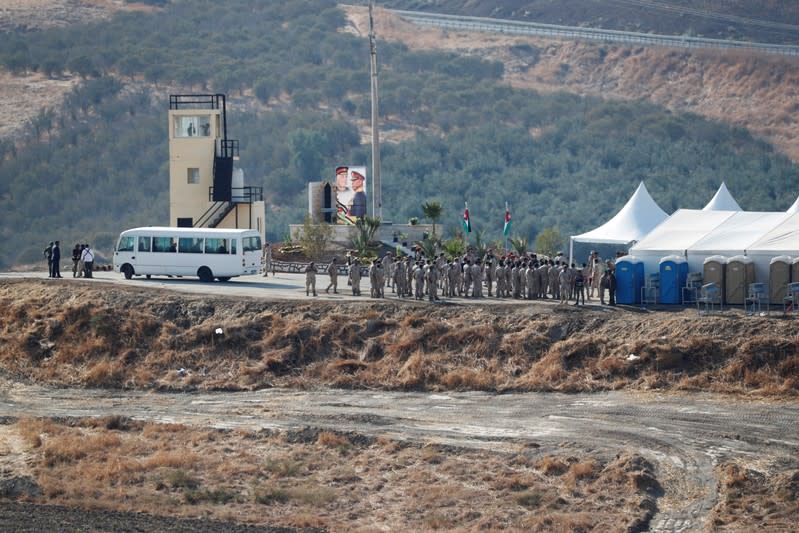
(685, 436)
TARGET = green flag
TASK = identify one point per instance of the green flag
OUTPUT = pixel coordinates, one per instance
(467, 222)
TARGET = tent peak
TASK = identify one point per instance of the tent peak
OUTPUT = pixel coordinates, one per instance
(637, 218)
(722, 201)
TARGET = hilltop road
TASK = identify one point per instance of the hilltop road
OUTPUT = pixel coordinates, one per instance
(552, 31)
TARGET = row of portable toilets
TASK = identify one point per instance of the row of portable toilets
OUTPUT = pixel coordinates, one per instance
(673, 283)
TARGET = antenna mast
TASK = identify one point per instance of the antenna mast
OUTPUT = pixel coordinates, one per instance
(377, 204)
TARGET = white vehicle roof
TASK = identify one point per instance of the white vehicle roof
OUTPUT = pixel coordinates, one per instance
(168, 231)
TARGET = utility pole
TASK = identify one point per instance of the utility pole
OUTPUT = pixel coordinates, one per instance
(377, 204)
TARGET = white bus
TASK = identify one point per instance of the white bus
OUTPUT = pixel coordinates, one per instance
(203, 252)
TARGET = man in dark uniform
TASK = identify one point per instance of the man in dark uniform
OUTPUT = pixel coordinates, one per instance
(55, 269)
(611, 287)
(75, 260)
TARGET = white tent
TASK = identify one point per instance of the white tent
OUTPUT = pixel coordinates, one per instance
(676, 234)
(696, 235)
(782, 239)
(794, 208)
(732, 237)
(722, 201)
(639, 216)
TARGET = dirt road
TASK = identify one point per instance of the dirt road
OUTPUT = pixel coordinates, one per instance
(685, 436)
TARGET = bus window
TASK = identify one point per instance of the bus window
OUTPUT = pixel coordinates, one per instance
(233, 246)
(190, 245)
(164, 244)
(144, 244)
(216, 246)
(251, 244)
(125, 244)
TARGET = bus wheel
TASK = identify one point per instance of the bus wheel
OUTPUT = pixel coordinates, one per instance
(128, 271)
(223, 278)
(205, 274)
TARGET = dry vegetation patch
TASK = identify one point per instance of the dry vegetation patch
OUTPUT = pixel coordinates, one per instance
(148, 339)
(307, 478)
(757, 497)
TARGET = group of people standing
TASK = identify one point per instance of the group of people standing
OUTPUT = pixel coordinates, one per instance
(525, 277)
(82, 260)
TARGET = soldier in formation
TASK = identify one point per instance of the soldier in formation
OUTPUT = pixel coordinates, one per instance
(332, 271)
(418, 279)
(355, 276)
(310, 278)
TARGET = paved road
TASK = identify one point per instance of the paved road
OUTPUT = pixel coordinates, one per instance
(282, 286)
(685, 436)
(571, 33)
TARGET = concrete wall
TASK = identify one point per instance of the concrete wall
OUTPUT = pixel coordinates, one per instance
(386, 233)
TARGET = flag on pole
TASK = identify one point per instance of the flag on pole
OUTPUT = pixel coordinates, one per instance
(467, 222)
(506, 228)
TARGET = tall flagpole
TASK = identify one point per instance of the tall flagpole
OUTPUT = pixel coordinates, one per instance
(377, 204)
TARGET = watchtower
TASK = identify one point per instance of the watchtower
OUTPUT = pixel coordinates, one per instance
(206, 187)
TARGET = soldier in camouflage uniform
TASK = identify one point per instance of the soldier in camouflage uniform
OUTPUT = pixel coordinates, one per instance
(532, 281)
(431, 280)
(564, 280)
(477, 279)
(488, 274)
(388, 269)
(355, 277)
(399, 278)
(499, 273)
(418, 280)
(554, 284)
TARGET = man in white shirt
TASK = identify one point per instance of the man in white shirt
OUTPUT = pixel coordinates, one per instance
(87, 256)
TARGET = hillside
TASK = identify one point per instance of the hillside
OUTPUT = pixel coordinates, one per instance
(544, 123)
(775, 21)
(757, 92)
(707, 83)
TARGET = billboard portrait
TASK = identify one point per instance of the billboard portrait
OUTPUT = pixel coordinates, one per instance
(350, 194)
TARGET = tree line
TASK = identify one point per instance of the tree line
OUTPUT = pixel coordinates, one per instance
(298, 93)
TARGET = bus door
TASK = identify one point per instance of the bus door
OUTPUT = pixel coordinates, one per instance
(251, 248)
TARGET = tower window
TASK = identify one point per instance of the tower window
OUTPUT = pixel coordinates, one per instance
(193, 176)
(192, 126)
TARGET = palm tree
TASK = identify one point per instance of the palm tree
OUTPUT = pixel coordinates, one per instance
(454, 247)
(363, 233)
(433, 211)
(549, 240)
(480, 245)
(428, 246)
(520, 244)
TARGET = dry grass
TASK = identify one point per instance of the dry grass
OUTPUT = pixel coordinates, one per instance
(53, 337)
(763, 499)
(303, 480)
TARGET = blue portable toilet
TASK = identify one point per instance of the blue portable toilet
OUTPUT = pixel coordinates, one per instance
(673, 275)
(629, 280)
